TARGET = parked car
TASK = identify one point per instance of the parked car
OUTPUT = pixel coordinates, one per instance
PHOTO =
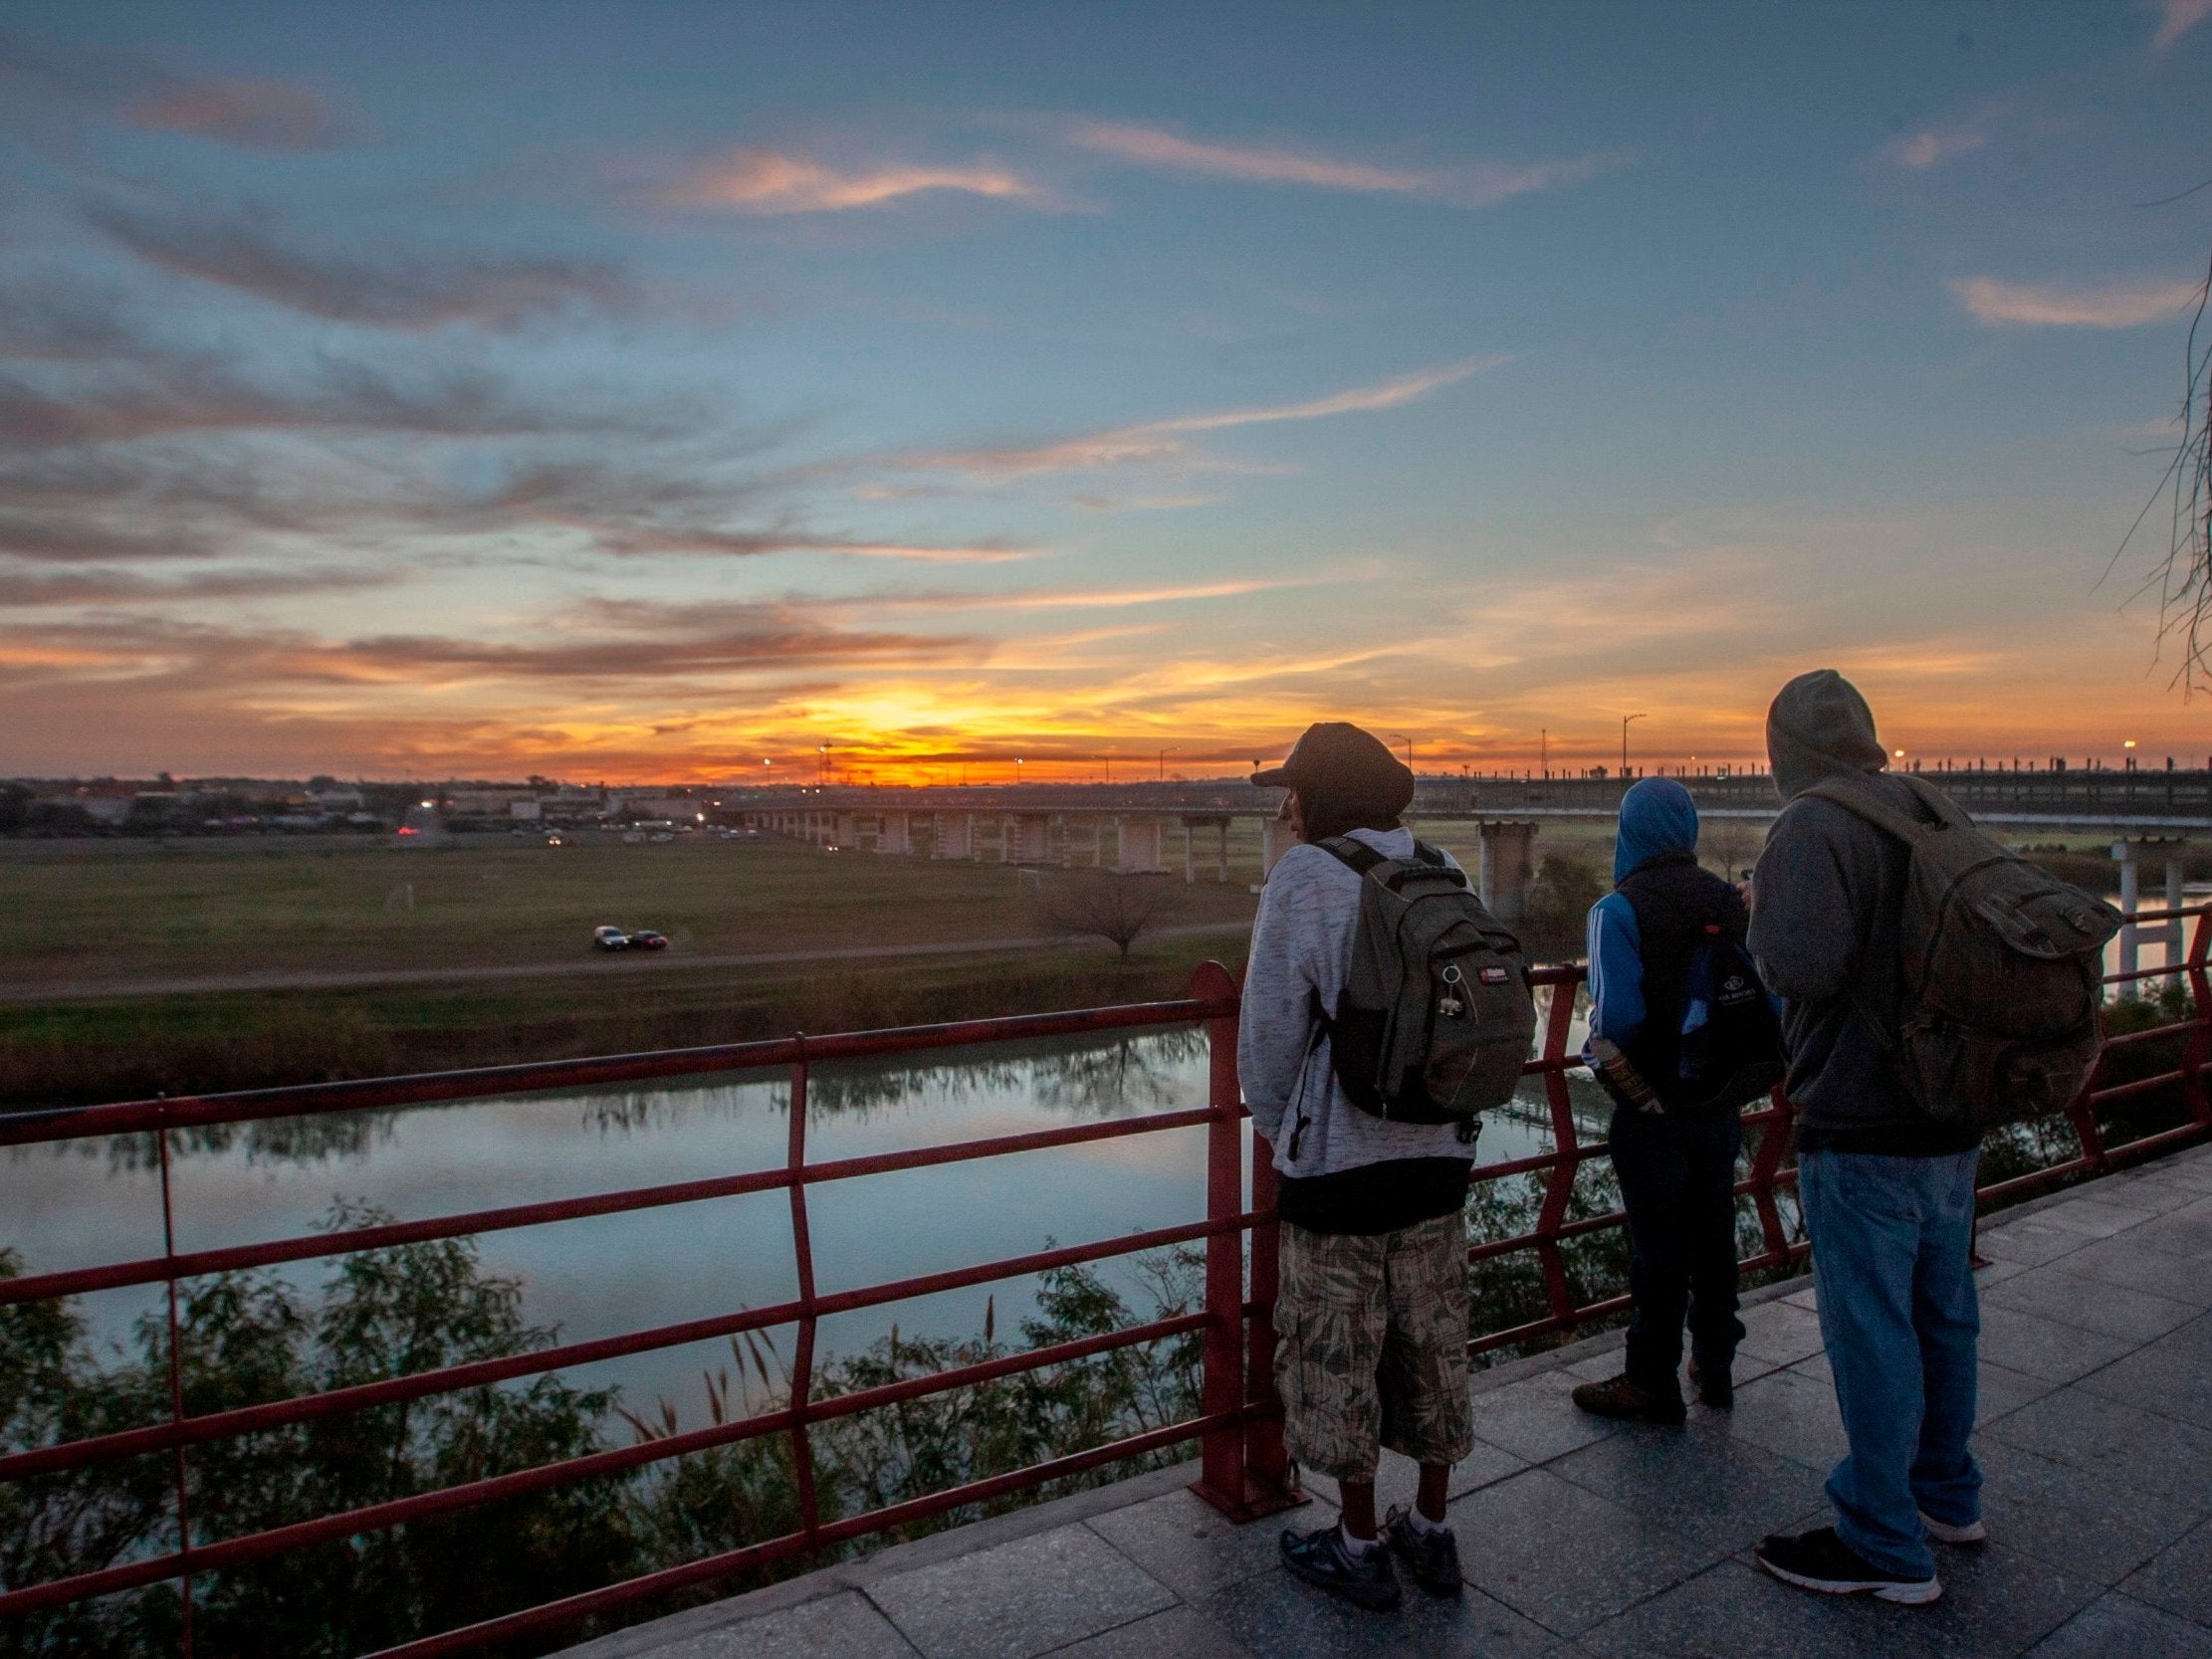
(647, 939)
(611, 939)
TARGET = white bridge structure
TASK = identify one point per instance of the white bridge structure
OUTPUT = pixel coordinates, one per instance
(1124, 839)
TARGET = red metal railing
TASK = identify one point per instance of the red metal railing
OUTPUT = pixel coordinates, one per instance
(1237, 1428)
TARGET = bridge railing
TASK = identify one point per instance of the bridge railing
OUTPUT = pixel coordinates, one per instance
(1237, 1424)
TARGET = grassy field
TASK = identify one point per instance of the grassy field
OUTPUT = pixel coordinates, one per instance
(107, 914)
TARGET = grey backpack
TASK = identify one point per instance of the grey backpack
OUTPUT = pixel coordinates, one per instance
(1435, 1018)
(2000, 1008)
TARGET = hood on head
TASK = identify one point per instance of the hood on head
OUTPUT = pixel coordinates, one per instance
(1656, 817)
(1819, 728)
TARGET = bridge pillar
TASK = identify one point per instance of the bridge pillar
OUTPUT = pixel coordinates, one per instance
(894, 833)
(952, 835)
(2172, 935)
(846, 832)
(1140, 844)
(1029, 838)
(1508, 870)
(1276, 839)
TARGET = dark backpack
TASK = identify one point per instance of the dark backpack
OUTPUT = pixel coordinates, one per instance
(2001, 996)
(1436, 1015)
(1731, 1049)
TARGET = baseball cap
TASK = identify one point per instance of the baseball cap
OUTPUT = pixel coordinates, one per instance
(1336, 760)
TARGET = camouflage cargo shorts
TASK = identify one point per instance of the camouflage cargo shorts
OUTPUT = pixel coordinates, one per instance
(1373, 1350)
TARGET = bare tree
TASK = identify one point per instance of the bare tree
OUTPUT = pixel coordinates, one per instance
(1732, 843)
(2182, 577)
(1118, 906)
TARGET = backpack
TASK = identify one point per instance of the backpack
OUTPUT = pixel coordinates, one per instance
(1730, 1050)
(1436, 1014)
(2001, 998)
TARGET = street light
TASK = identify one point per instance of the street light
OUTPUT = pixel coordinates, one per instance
(1625, 718)
(1409, 742)
(1164, 753)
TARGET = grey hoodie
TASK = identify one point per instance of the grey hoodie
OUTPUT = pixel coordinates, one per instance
(1825, 901)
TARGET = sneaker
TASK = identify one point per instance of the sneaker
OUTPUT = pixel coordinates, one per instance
(1820, 1560)
(1432, 1556)
(1716, 1388)
(1320, 1559)
(1630, 1401)
(1974, 1532)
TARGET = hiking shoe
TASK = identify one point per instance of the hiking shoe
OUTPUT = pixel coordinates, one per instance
(1974, 1532)
(1432, 1558)
(1717, 1388)
(1820, 1560)
(1320, 1559)
(1628, 1401)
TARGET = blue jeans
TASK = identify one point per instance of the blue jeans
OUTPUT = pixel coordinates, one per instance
(1893, 1263)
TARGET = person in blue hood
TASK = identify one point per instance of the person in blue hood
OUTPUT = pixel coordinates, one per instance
(1674, 1151)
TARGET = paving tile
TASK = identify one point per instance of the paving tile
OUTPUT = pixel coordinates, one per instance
(1020, 1598)
(2153, 1191)
(2170, 1380)
(1192, 1547)
(1719, 1491)
(2116, 1628)
(1564, 1556)
(2043, 1348)
(1790, 1414)
(843, 1625)
(1277, 1616)
(1781, 1333)
(2186, 1233)
(2030, 1241)
(1996, 1389)
(2076, 1521)
(2117, 1261)
(2193, 1168)
(2052, 1293)
(2179, 1577)
(1177, 1634)
(1729, 1611)
(1535, 1420)
(2159, 1459)
(2099, 1215)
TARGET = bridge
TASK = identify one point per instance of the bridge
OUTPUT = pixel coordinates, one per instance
(1581, 1537)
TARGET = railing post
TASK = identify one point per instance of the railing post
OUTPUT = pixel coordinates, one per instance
(1228, 1477)
(2199, 1047)
(1766, 1168)
(802, 1251)
(176, 1392)
(1567, 1160)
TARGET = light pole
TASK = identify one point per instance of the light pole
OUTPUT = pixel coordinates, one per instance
(1017, 771)
(1625, 718)
(1409, 742)
(1164, 753)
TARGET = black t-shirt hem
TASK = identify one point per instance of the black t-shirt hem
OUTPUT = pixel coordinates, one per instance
(1924, 1139)
(1376, 1197)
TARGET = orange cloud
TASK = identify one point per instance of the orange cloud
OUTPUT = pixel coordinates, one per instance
(2121, 304)
(2177, 18)
(789, 181)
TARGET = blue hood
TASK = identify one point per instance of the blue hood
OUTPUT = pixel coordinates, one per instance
(1656, 817)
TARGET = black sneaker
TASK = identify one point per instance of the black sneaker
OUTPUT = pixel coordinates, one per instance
(1716, 1388)
(1320, 1559)
(1432, 1556)
(1628, 1401)
(1820, 1560)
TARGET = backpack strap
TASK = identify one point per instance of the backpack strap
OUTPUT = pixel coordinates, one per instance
(1358, 855)
(1863, 802)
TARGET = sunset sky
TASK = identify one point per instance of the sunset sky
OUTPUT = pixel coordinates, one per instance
(648, 390)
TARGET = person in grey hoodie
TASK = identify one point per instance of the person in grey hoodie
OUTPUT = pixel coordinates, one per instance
(1372, 1312)
(1887, 1192)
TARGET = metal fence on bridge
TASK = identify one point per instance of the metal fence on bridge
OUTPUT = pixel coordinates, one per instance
(1236, 1430)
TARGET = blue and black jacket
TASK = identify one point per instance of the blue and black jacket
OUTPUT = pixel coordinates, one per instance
(1645, 931)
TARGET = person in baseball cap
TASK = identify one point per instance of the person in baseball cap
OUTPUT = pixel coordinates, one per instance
(1340, 780)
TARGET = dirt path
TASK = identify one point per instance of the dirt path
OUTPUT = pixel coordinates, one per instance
(605, 963)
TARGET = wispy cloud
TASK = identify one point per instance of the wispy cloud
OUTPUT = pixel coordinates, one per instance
(1932, 145)
(2176, 18)
(251, 115)
(1165, 442)
(1468, 184)
(759, 181)
(411, 293)
(2118, 304)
